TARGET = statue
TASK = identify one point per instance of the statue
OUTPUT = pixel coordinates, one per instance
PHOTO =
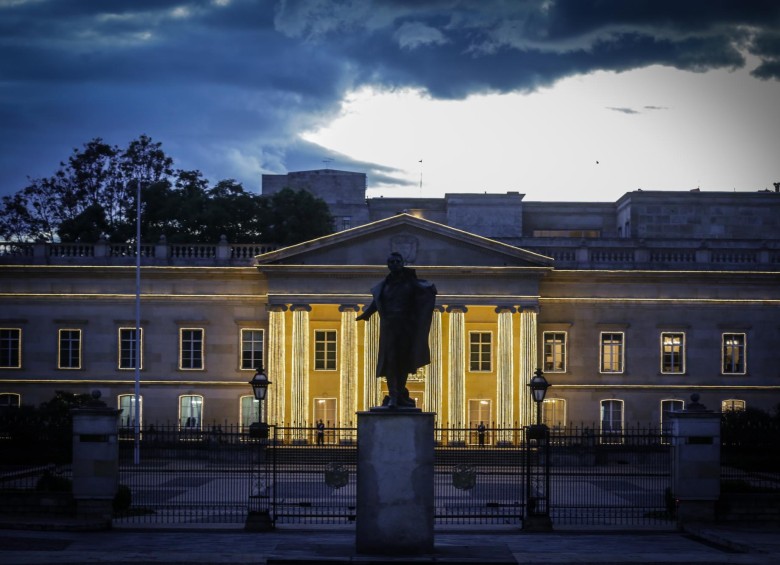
(405, 305)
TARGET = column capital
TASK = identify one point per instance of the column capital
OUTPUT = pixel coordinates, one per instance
(505, 308)
(531, 309)
(300, 307)
(457, 308)
(276, 307)
(349, 308)
(438, 308)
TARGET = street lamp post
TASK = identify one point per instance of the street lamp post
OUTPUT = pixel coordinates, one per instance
(259, 518)
(259, 384)
(539, 386)
(537, 463)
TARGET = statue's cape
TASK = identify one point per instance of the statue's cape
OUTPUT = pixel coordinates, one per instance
(424, 302)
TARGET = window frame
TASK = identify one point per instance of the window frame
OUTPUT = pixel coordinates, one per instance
(254, 365)
(9, 395)
(742, 349)
(557, 346)
(607, 435)
(195, 355)
(682, 353)
(130, 423)
(69, 350)
(622, 346)
(732, 404)
(198, 425)
(329, 351)
(663, 424)
(480, 351)
(554, 401)
(11, 348)
(122, 356)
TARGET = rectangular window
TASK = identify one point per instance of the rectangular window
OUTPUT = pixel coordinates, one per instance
(10, 400)
(734, 354)
(554, 352)
(667, 407)
(672, 353)
(480, 412)
(251, 349)
(732, 404)
(611, 352)
(191, 411)
(250, 412)
(611, 421)
(554, 413)
(480, 351)
(69, 349)
(127, 406)
(325, 350)
(10, 348)
(191, 347)
(127, 348)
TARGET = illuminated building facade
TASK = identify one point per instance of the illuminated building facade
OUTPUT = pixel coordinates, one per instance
(627, 307)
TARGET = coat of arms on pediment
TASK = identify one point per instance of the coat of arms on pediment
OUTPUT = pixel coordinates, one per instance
(406, 245)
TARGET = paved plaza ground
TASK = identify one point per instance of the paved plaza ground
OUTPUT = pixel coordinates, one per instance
(706, 543)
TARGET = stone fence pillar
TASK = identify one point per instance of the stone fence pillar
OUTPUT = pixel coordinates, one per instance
(696, 462)
(95, 461)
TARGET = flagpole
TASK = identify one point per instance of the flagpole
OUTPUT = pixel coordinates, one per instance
(137, 407)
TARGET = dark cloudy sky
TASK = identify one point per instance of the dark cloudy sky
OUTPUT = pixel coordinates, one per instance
(568, 99)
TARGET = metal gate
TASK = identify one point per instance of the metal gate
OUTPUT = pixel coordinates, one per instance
(221, 475)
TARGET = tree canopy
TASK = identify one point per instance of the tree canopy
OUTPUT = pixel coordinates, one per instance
(93, 197)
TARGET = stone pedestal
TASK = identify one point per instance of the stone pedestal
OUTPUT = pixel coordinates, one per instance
(395, 503)
(696, 462)
(95, 462)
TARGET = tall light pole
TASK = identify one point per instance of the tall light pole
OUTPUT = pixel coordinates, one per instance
(137, 407)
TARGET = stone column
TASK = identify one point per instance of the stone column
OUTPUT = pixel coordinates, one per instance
(348, 366)
(395, 504)
(95, 461)
(505, 372)
(529, 359)
(456, 405)
(275, 365)
(299, 385)
(372, 391)
(435, 376)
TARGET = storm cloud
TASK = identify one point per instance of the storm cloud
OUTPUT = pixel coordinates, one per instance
(229, 85)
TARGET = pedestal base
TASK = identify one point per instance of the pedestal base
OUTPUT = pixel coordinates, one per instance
(395, 482)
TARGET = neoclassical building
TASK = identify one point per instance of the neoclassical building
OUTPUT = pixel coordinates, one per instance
(626, 319)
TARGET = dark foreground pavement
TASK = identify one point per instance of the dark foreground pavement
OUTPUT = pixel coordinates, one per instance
(711, 544)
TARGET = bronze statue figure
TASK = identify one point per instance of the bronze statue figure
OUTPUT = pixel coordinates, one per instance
(405, 305)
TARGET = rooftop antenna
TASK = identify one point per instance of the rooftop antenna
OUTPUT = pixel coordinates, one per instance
(327, 163)
(420, 178)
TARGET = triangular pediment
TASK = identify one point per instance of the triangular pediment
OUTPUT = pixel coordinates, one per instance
(421, 242)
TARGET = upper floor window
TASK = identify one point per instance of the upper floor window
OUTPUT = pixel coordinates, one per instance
(734, 354)
(69, 354)
(10, 400)
(191, 348)
(732, 404)
(325, 350)
(251, 349)
(480, 351)
(128, 346)
(554, 352)
(611, 352)
(611, 421)
(672, 352)
(10, 348)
